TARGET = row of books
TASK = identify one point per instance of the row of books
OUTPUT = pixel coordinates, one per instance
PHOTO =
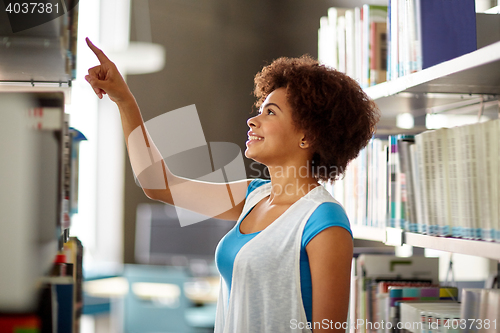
(442, 182)
(459, 182)
(374, 43)
(60, 297)
(354, 41)
(479, 311)
(395, 294)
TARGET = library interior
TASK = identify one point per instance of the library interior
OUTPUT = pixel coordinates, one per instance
(84, 250)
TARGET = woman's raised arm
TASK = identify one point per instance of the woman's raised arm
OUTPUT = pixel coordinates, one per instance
(219, 200)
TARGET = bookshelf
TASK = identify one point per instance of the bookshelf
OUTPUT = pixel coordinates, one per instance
(466, 77)
(368, 233)
(387, 236)
(38, 64)
(470, 247)
(459, 79)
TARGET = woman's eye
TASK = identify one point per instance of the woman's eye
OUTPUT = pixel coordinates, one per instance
(270, 112)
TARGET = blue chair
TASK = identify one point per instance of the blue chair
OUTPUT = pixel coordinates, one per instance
(156, 302)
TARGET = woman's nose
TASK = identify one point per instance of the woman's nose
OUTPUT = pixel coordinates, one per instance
(251, 122)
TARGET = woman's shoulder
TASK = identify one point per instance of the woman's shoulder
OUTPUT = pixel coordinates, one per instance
(327, 214)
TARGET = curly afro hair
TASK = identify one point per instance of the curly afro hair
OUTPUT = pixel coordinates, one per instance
(338, 118)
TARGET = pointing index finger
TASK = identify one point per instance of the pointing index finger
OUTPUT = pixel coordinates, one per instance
(100, 55)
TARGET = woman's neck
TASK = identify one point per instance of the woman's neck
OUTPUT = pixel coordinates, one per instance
(290, 183)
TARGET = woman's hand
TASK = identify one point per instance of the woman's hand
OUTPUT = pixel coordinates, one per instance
(105, 78)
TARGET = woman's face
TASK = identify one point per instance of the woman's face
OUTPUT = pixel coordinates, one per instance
(273, 139)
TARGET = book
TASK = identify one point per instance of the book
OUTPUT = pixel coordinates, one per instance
(441, 185)
(404, 143)
(371, 14)
(446, 31)
(341, 44)
(378, 57)
(415, 179)
(333, 49)
(394, 40)
(350, 40)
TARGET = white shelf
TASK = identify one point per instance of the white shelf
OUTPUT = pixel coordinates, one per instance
(470, 247)
(368, 233)
(468, 76)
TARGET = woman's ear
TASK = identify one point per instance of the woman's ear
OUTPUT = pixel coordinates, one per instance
(304, 143)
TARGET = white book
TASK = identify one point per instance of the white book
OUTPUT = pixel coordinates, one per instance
(495, 167)
(323, 41)
(476, 217)
(406, 38)
(416, 189)
(443, 211)
(369, 182)
(418, 41)
(456, 217)
(413, 35)
(333, 14)
(483, 185)
(402, 37)
(469, 163)
(491, 157)
(422, 171)
(394, 40)
(398, 193)
(489, 309)
(377, 150)
(471, 301)
(365, 69)
(430, 183)
(361, 187)
(382, 187)
(350, 38)
(463, 204)
(358, 44)
(465, 177)
(341, 46)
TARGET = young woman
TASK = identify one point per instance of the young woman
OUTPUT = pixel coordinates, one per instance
(286, 264)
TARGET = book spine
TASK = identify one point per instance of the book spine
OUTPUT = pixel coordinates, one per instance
(491, 161)
(405, 162)
(418, 37)
(394, 39)
(483, 189)
(365, 76)
(358, 44)
(441, 183)
(341, 46)
(453, 183)
(495, 147)
(332, 31)
(350, 38)
(389, 42)
(323, 41)
(416, 180)
(419, 140)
